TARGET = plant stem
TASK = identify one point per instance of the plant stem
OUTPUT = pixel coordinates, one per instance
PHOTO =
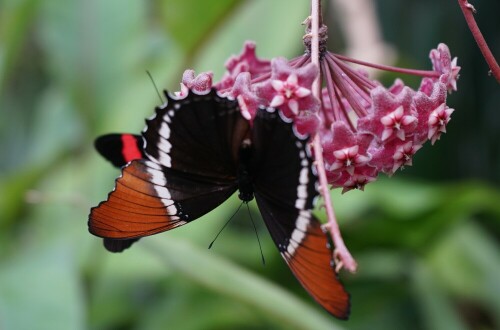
(468, 10)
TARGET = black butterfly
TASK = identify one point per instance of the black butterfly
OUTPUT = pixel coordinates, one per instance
(194, 154)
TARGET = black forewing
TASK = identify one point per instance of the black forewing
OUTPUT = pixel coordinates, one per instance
(189, 169)
(204, 140)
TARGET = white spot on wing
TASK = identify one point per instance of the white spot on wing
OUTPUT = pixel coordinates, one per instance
(167, 202)
(153, 165)
(292, 246)
(302, 191)
(163, 193)
(298, 236)
(165, 159)
(299, 233)
(157, 178)
(171, 210)
(165, 145)
(304, 176)
(165, 130)
(300, 204)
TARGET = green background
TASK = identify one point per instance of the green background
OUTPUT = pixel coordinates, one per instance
(427, 240)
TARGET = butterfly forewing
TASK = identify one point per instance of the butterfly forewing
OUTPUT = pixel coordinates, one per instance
(188, 170)
(120, 149)
(200, 135)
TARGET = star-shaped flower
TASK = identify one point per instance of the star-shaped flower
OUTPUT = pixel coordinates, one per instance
(396, 121)
(438, 119)
(392, 114)
(357, 181)
(289, 89)
(344, 150)
(425, 105)
(404, 155)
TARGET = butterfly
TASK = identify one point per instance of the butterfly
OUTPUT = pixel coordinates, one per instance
(197, 151)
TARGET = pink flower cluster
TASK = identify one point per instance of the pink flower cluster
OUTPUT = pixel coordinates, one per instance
(364, 127)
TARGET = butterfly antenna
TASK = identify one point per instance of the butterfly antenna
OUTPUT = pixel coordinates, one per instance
(154, 84)
(256, 234)
(225, 225)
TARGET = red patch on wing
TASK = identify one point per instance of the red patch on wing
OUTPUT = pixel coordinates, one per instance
(130, 150)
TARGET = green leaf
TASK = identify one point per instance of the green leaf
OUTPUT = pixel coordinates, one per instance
(39, 289)
(16, 17)
(275, 26)
(191, 22)
(467, 263)
(437, 309)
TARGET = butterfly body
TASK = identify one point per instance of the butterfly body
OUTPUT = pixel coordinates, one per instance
(245, 184)
(198, 151)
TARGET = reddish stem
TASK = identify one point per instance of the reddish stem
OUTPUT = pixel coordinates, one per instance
(341, 254)
(468, 11)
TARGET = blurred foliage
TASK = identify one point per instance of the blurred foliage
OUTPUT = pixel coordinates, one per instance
(427, 241)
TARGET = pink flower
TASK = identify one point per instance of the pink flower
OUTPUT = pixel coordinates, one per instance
(404, 155)
(289, 88)
(357, 181)
(393, 114)
(347, 159)
(427, 104)
(382, 127)
(247, 61)
(201, 83)
(395, 122)
(438, 119)
(243, 92)
(442, 63)
(345, 155)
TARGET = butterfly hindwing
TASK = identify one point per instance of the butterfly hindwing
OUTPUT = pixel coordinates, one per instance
(284, 171)
(120, 149)
(149, 199)
(285, 188)
(304, 247)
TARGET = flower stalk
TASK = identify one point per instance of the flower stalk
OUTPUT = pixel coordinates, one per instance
(468, 10)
